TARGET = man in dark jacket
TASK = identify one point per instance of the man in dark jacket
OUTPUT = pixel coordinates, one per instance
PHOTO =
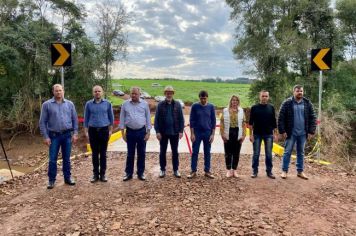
(296, 123)
(169, 125)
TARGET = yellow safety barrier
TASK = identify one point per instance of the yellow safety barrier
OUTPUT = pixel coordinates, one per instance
(279, 150)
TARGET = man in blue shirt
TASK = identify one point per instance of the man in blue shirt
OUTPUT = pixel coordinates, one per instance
(202, 128)
(98, 124)
(57, 123)
(135, 117)
(296, 123)
(169, 125)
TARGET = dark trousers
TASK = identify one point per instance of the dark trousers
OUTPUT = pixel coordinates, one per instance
(135, 139)
(232, 149)
(99, 138)
(174, 140)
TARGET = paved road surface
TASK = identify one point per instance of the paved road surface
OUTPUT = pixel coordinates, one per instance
(153, 144)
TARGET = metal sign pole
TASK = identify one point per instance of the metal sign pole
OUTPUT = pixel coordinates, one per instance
(62, 76)
(319, 111)
(7, 160)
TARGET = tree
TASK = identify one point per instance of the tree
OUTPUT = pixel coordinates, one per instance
(346, 11)
(277, 35)
(25, 35)
(111, 20)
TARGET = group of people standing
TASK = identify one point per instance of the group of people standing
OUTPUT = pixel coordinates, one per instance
(58, 125)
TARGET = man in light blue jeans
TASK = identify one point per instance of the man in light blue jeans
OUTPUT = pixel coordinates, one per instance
(296, 123)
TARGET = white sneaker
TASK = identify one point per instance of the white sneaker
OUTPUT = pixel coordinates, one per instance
(229, 173)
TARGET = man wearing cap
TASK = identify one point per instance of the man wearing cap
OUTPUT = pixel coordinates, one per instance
(169, 125)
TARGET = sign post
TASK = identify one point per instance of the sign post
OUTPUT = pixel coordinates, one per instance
(321, 59)
(61, 57)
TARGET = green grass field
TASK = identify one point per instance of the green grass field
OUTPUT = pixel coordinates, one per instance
(219, 93)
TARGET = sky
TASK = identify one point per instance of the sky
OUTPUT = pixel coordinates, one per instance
(185, 39)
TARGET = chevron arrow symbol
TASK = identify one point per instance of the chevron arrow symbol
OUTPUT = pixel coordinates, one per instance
(64, 55)
(318, 59)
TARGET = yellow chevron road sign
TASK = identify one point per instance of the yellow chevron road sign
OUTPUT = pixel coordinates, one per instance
(321, 59)
(61, 54)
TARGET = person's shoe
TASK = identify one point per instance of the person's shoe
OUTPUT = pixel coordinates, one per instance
(141, 177)
(177, 174)
(236, 175)
(94, 179)
(50, 185)
(254, 175)
(127, 177)
(302, 175)
(209, 175)
(271, 176)
(69, 181)
(192, 175)
(103, 178)
(162, 174)
(229, 173)
(284, 175)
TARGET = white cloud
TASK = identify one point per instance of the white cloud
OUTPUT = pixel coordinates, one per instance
(177, 38)
(222, 37)
(159, 42)
(192, 9)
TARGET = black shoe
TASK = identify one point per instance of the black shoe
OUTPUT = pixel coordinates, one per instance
(69, 181)
(103, 178)
(162, 174)
(271, 176)
(94, 179)
(177, 174)
(254, 175)
(127, 177)
(141, 177)
(50, 185)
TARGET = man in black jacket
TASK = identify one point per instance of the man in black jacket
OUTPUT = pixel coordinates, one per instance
(169, 125)
(296, 123)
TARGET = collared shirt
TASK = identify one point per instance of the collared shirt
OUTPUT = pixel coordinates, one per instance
(58, 117)
(98, 114)
(135, 115)
(299, 122)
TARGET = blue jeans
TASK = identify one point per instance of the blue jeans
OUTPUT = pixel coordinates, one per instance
(268, 143)
(300, 140)
(199, 137)
(63, 141)
(135, 139)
